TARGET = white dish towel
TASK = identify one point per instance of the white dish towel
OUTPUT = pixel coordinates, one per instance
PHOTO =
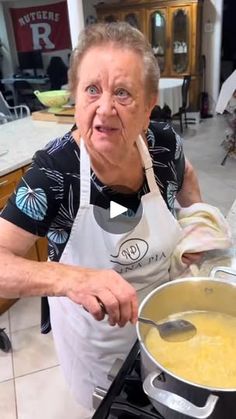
(204, 228)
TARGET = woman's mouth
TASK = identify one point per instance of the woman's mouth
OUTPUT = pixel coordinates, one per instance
(105, 129)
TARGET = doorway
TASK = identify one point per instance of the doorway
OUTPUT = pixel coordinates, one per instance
(228, 45)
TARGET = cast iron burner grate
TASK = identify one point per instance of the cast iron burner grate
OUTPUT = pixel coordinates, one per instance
(126, 398)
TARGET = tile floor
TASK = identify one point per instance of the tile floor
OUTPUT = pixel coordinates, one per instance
(202, 146)
(31, 384)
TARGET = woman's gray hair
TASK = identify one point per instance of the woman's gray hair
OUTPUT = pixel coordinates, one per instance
(123, 35)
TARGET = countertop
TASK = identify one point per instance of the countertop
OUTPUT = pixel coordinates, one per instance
(20, 139)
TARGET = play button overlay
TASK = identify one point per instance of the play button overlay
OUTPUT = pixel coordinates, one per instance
(117, 218)
(116, 209)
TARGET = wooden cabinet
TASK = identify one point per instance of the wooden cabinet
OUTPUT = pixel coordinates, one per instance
(173, 28)
(39, 250)
(7, 185)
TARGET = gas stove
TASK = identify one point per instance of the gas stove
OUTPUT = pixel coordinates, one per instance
(125, 398)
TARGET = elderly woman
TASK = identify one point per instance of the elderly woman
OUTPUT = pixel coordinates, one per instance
(113, 154)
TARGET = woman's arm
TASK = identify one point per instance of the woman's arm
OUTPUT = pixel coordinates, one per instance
(190, 190)
(21, 277)
(188, 195)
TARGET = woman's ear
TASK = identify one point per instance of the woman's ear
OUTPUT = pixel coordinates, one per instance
(153, 101)
(150, 105)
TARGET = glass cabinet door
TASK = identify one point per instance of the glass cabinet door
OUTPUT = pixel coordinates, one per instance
(180, 40)
(157, 25)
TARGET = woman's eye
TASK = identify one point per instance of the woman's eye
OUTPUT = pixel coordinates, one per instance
(122, 94)
(92, 90)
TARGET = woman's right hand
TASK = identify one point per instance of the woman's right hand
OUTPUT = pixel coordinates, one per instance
(105, 292)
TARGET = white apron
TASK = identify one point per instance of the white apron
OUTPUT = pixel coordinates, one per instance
(87, 348)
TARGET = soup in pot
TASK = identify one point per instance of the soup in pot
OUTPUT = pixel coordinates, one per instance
(209, 358)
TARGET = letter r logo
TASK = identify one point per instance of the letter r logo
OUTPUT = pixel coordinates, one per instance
(41, 31)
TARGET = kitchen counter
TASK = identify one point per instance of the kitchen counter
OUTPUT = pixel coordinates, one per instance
(20, 139)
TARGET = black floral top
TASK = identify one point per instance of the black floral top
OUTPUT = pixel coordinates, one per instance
(47, 198)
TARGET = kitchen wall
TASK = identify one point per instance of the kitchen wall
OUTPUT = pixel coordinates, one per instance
(6, 48)
(211, 46)
(9, 59)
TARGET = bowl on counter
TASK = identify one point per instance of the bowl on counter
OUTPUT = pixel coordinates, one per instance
(53, 99)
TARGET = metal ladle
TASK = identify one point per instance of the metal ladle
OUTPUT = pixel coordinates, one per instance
(173, 330)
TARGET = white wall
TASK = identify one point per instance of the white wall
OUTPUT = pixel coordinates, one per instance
(211, 47)
(6, 58)
(76, 19)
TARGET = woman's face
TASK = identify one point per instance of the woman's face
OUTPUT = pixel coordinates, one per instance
(111, 104)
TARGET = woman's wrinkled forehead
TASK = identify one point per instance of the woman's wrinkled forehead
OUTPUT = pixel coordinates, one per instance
(109, 46)
(111, 58)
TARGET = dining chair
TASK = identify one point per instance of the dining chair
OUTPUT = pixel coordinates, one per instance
(183, 109)
(161, 114)
(25, 95)
(9, 113)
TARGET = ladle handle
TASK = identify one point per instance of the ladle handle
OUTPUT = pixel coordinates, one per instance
(147, 321)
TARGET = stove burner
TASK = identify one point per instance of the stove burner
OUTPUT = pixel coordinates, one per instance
(126, 398)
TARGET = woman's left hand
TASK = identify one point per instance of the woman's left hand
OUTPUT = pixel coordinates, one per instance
(190, 258)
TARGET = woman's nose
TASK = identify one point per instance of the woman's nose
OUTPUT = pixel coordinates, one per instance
(106, 105)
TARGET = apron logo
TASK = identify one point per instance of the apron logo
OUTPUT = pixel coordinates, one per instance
(132, 250)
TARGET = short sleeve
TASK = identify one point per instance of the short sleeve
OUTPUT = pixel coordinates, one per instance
(36, 200)
(178, 158)
(170, 151)
(166, 148)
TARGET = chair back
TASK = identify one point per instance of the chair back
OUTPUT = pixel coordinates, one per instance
(57, 73)
(9, 113)
(23, 88)
(25, 94)
(185, 90)
(161, 114)
(4, 107)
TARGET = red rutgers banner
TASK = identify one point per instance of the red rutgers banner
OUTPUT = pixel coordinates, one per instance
(41, 27)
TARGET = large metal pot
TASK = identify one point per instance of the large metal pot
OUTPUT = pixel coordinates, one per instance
(172, 396)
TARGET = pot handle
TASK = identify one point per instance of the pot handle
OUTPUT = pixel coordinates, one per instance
(224, 269)
(175, 402)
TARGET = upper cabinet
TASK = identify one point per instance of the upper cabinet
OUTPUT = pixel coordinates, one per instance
(157, 23)
(132, 16)
(180, 39)
(170, 38)
(173, 28)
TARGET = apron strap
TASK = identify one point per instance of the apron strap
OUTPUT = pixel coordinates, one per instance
(85, 183)
(147, 164)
